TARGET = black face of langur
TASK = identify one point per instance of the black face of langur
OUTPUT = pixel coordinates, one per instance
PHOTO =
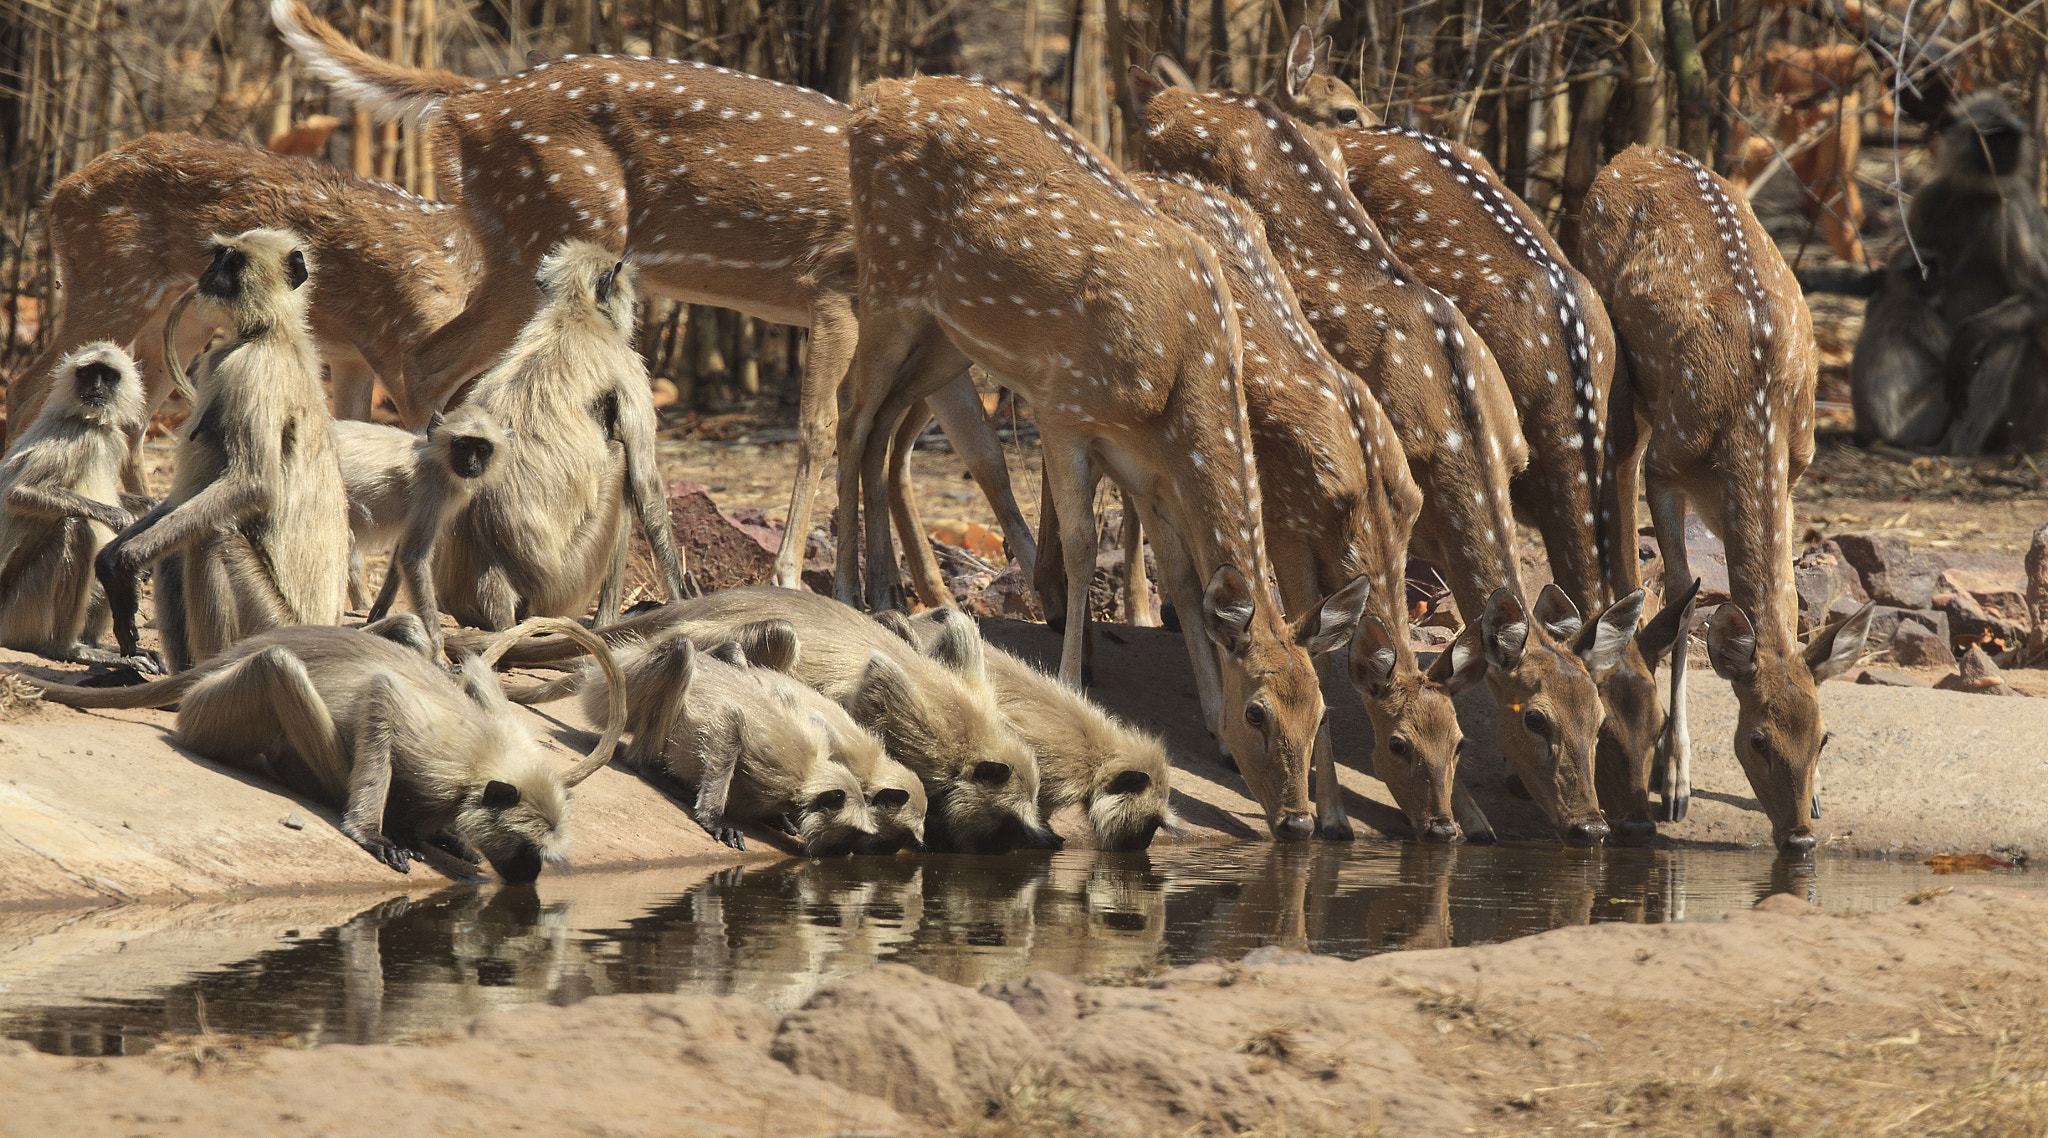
(222, 280)
(885, 803)
(470, 455)
(96, 384)
(517, 859)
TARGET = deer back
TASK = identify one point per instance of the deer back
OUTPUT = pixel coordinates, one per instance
(722, 186)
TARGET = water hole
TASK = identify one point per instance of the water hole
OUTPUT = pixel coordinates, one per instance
(414, 967)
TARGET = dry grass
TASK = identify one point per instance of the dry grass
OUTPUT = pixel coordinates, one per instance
(1037, 1107)
(18, 697)
(1275, 1042)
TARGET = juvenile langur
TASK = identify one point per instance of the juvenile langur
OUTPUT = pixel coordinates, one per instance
(60, 501)
(1086, 756)
(750, 749)
(363, 721)
(256, 515)
(934, 712)
(1896, 381)
(545, 537)
(388, 471)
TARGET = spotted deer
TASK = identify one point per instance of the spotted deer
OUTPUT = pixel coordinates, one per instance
(1446, 213)
(1719, 349)
(989, 232)
(130, 232)
(1339, 506)
(1446, 399)
(723, 188)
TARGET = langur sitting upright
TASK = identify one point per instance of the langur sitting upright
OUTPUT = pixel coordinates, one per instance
(60, 501)
(544, 536)
(255, 530)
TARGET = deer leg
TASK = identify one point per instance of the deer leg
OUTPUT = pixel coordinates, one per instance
(351, 384)
(1137, 586)
(1183, 583)
(1332, 823)
(1672, 772)
(1070, 486)
(957, 407)
(1471, 819)
(159, 375)
(933, 367)
(925, 575)
(1049, 574)
(459, 350)
(833, 335)
(887, 349)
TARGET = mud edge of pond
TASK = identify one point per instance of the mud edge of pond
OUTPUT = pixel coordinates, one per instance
(1679, 1028)
(98, 806)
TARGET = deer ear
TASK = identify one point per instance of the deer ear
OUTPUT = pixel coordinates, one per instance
(1170, 72)
(1836, 648)
(1601, 644)
(1462, 664)
(1323, 49)
(1731, 643)
(1557, 614)
(1301, 61)
(1144, 86)
(1329, 626)
(295, 268)
(1370, 663)
(1227, 609)
(1669, 627)
(1503, 630)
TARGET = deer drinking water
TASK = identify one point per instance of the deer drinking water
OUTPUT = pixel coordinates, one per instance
(1442, 208)
(1720, 351)
(989, 232)
(1450, 407)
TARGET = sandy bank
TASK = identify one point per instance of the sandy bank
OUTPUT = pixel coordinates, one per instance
(101, 805)
(1780, 1018)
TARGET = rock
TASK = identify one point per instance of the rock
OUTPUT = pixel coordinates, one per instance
(1007, 594)
(2037, 592)
(1887, 677)
(926, 1046)
(1851, 579)
(1884, 623)
(1976, 673)
(1817, 578)
(292, 822)
(1790, 904)
(1999, 594)
(719, 550)
(1969, 623)
(1914, 645)
(1892, 572)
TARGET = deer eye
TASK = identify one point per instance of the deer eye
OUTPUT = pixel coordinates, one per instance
(1346, 115)
(1255, 716)
(1399, 747)
(1761, 744)
(1537, 722)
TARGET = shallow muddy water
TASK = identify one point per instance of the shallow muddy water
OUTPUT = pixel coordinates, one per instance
(350, 970)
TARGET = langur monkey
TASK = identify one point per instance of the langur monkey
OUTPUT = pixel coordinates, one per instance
(1952, 353)
(1087, 757)
(545, 535)
(365, 721)
(749, 745)
(256, 525)
(61, 500)
(934, 711)
(385, 470)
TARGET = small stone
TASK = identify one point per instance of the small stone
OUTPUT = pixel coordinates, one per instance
(1970, 623)
(1890, 678)
(1915, 645)
(292, 822)
(2000, 594)
(1976, 673)
(1893, 573)
(1885, 621)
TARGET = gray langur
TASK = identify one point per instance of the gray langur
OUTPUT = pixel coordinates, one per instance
(256, 520)
(546, 536)
(1977, 264)
(1087, 757)
(364, 721)
(933, 711)
(390, 474)
(750, 747)
(61, 500)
